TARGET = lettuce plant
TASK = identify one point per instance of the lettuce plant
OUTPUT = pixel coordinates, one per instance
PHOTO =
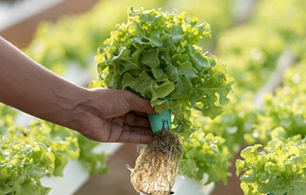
(156, 55)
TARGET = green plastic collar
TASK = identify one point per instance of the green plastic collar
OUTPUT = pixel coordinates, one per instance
(159, 121)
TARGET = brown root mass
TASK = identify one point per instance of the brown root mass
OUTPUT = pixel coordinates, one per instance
(156, 166)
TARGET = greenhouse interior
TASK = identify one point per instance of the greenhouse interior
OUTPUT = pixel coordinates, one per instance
(215, 95)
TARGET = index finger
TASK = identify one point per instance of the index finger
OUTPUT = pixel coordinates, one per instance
(133, 137)
(139, 104)
(134, 120)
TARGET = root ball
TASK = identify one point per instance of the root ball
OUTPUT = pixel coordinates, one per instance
(157, 165)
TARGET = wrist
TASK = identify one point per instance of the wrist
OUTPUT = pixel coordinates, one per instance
(70, 107)
(79, 111)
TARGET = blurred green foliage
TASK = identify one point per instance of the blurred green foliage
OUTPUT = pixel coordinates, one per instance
(277, 167)
(75, 39)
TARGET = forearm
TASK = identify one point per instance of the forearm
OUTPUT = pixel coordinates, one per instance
(26, 85)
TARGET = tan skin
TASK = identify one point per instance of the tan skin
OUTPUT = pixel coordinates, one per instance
(104, 115)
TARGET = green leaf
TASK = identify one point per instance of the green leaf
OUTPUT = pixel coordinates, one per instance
(160, 105)
(186, 70)
(158, 73)
(176, 33)
(28, 188)
(60, 163)
(140, 84)
(150, 58)
(182, 85)
(239, 166)
(155, 40)
(299, 188)
(201, 62)
(147, 18)
(162, 91)
(36, 171)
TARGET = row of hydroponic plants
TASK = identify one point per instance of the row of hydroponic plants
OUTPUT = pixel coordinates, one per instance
(251, 51)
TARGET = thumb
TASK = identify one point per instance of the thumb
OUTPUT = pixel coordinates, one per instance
(140, 105)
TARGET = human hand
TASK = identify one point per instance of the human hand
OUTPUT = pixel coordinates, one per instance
(103, 114)
(114, 116)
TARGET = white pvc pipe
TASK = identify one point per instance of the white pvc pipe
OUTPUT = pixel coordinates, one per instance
(75, 174)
